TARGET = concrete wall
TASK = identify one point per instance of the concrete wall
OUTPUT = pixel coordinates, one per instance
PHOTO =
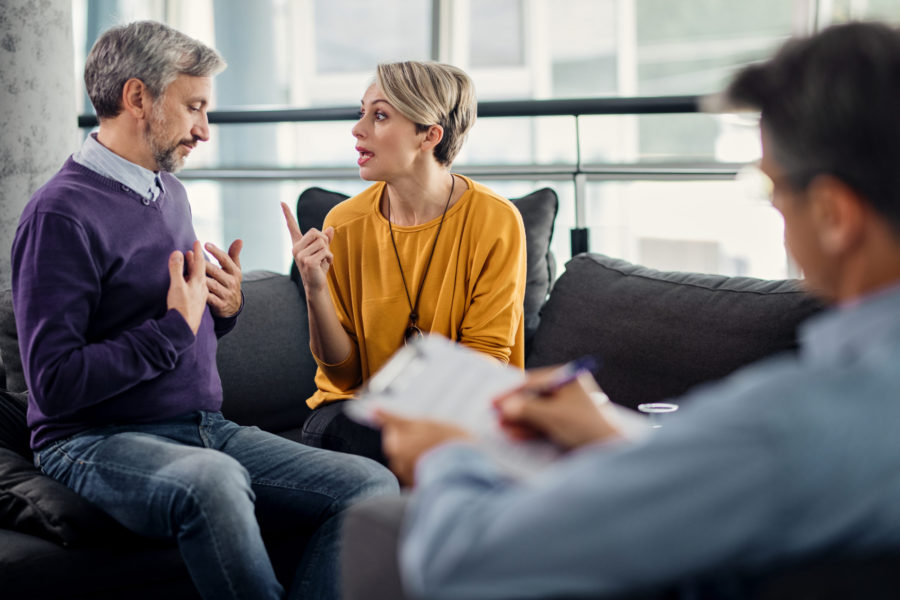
(38, 127)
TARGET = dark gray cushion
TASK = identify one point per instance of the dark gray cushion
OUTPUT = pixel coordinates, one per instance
(313, 205)
(264, 362)
(538, 210)
(657, 334)
(9, 345)
(14, 433)
(31, 502)
(138, 569)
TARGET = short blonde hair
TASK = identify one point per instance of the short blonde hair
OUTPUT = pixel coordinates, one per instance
(431, 93)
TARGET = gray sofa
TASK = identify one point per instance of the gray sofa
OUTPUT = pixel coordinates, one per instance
(53, 544)
(657, 334)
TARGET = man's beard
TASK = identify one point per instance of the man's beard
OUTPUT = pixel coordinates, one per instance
(165, 155)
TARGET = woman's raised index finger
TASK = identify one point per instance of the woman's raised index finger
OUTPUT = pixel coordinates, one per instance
(292, 225)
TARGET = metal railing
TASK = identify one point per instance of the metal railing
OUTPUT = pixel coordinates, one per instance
(495, 108)
(577, 172)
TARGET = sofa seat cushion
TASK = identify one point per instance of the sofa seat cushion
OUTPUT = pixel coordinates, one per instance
(656, 334)
(538, 210)
(35, 568)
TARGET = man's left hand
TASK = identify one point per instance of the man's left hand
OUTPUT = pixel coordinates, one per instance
(224, 280)
(406, 440)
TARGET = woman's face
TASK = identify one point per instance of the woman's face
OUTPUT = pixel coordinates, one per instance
(387, 142)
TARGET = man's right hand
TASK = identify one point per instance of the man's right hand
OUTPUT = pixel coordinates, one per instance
(569, 417)
(188, 291)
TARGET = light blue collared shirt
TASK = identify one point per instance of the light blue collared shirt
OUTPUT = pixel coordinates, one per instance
(100, 159)
(795, 455)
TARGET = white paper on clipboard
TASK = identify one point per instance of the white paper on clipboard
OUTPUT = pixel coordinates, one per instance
(435, 378)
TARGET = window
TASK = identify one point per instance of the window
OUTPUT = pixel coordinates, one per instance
(497, 34)
(659, 190)
(355, 35)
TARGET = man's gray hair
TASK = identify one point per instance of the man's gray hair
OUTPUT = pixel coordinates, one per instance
(147, 50)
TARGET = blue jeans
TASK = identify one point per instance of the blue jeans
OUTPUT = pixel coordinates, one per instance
(198, 479)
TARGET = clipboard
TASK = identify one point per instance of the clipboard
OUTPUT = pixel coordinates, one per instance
(435, 378)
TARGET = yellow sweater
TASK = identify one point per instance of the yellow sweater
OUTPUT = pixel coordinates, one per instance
(473, 293)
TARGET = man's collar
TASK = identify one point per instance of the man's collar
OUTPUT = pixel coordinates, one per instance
(100, 159)
(846, 331)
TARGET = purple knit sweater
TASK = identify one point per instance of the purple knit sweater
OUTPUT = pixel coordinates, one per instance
(90, 278)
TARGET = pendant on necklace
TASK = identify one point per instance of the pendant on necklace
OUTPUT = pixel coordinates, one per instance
(412, 334)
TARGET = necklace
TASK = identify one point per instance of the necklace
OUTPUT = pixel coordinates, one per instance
(412, 330)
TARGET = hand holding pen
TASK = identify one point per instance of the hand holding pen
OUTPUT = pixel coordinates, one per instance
(564, 375)
(556, 404)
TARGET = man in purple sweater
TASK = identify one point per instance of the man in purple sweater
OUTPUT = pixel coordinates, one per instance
(118, 312)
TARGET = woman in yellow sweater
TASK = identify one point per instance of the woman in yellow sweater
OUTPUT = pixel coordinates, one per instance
(423, 250)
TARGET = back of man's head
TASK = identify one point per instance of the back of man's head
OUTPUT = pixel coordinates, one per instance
(829, 104)
(146, 50)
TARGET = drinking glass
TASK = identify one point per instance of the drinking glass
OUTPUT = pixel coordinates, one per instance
(655, 412)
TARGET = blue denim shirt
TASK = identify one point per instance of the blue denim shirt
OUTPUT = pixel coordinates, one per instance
(793, 455)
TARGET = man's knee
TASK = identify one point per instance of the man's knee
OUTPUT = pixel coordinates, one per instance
(364, 478)
(209, 478)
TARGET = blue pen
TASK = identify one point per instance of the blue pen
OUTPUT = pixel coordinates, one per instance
(568, 373)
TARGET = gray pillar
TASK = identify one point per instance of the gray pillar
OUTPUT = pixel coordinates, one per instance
(38, 127)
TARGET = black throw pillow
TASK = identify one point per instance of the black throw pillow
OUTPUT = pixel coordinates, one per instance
(31, 502)
(14, 434)
(538, 210)
(9, 345)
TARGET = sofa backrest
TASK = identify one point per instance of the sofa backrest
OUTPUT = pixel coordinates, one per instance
(657, 334)
(265, 364)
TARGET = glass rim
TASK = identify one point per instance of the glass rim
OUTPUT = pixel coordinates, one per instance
(657, 407)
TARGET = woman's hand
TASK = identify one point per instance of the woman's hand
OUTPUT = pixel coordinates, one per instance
(311, 251)
(328, 340)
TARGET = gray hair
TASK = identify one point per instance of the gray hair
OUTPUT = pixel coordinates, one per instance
(147, 50)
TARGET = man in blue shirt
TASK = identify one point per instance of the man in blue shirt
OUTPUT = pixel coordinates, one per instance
(793, 456)
(118, 313)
